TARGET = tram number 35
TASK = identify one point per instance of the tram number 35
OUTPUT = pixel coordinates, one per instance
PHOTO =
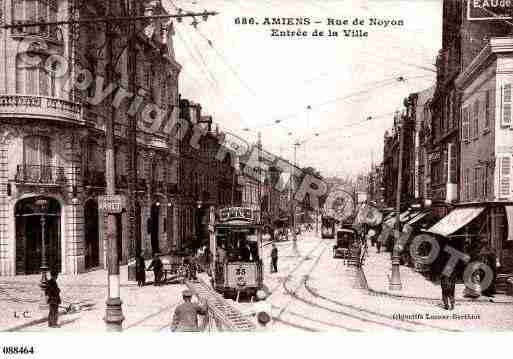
(240, 271)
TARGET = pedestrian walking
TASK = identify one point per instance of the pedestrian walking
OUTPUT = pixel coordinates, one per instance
(156, 265)
(140, 271)
(448, 284)
(185, 317)
(274, 259)
(53, 296)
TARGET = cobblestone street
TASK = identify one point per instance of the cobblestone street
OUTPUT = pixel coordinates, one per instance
(311, 292)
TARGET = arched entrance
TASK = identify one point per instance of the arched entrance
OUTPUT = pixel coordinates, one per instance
(32, 215)
(154, 227)
(91, 234)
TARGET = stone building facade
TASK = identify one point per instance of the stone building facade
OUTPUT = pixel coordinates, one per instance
(52, 137)
(462, 40)
(486, 149)
(207, 176)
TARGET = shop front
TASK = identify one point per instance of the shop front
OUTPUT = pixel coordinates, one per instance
(473, 229)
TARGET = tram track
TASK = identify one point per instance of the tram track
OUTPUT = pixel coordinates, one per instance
(316, 294)
(367, 317)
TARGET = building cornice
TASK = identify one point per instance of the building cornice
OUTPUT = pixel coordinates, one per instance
(496, 45)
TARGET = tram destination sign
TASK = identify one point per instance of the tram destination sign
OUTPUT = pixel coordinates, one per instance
(489, 9)
(233, 213)
(111, 203)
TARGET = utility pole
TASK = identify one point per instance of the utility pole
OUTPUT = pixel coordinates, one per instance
(395, 279)
(134, 235)
(259, 144)
(293, 202)
(113, 312)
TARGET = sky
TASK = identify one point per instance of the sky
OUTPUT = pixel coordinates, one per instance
(316, 91)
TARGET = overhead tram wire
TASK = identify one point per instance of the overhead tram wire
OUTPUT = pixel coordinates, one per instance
(228, 65)
(203, 66)
(280, 119)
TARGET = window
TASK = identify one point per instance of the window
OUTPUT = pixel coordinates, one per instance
(36, 151)
(465, 124)
(466, 181)
(35, 80)
(506, 106)
(504, 176)
(36, 11)
(450, 113)
(478, 183)
(487, 109)
(475, 125)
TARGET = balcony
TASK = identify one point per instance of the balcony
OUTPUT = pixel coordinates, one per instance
(37, 174)
(38, 107)
(94, 178)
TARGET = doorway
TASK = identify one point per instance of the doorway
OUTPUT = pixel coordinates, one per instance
(91, 234)
(154, 227)
(30, 219)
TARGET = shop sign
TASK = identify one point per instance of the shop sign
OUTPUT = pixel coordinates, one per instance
(111, 204)
(233, 213)
(489, 9)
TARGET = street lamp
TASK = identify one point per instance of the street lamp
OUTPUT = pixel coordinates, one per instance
(395, 279)
(42, 204)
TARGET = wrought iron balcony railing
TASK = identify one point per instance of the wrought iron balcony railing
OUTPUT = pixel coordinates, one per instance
(40, 174)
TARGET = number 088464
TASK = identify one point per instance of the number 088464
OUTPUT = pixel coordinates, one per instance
(17, 349)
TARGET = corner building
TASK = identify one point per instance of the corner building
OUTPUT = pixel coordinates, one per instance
(52, 138)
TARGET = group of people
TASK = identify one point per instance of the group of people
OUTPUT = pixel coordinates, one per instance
(449, 277)
(140, 270)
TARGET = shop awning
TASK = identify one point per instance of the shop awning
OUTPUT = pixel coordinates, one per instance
(509, 214)
(455, 220)
(402, 217)
(418, 217)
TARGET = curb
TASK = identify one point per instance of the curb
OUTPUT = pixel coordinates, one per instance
(433, 300)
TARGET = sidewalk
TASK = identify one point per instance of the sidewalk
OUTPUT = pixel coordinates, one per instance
(149, 307)
(378, 268)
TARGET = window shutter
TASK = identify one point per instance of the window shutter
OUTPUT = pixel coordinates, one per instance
(505, 177)
(506, 105)
(487, 110)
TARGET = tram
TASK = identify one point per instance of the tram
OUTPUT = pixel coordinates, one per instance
(328, 227)
(236, 245)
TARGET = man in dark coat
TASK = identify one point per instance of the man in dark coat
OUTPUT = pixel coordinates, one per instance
(52, 293)
(156, 265)
(448, 284)
(140, 271)
(185, 318)
(274, 259)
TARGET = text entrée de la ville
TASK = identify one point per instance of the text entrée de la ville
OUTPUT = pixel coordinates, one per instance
(302, 27)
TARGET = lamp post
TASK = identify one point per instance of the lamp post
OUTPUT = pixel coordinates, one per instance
(395, 279)
(42, 204)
